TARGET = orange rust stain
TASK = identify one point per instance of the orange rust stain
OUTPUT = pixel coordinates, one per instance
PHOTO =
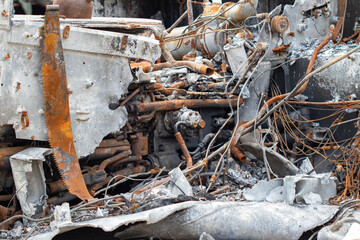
(291, 34)
(56, 99)
(29, 54)
(66, 33)
(50, 42)
(281, 49)
(24, 120)
(18, 86)
(62, 166)
(7, 56)
(5, 14)
(211, 10)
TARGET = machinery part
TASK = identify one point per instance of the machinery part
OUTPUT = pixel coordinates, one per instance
(139, 144)
(197, 67)
(113, 159)
(189, 103)
(201, 146)
(191, 119)
(106, 152)
(241, 11)
(56, 105)
(280, 24)
(90, 178)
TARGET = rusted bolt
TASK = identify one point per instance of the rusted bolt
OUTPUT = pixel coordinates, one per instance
(280, 24)
(7, 56)
(29, 55)
(66, 33)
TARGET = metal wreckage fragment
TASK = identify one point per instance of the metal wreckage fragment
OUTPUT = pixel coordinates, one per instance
(56, 105)
(213, 130)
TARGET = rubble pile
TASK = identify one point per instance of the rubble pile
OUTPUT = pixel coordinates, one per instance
(241, 124)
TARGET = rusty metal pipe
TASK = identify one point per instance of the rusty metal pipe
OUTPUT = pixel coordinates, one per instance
(5, 198)
(341, 20)
(184, 149)
(190, 22)
(165, 50)
(189, 103)
(113, 143)
(180, 84)
(113, 159)
(200, 68)
(111, 150)
(129, 159)
(108, 151)
(146, 118)
(164, 90)
(120, 175)
(181, 18)
(238, 154)
(130, 97)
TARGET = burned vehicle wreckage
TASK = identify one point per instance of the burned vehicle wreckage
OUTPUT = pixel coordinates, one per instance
(228, 120)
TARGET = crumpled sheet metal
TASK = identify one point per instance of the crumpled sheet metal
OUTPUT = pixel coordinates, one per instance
(278, 163)
(301, 189)
(29, 178)
(343, 229)
(222, 220)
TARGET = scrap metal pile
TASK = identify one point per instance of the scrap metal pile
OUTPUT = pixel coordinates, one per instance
(240, 125)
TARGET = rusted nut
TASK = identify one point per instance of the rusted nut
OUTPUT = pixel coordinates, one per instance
(66, 33)
(29, 54)
(280, 24)
(7, 56)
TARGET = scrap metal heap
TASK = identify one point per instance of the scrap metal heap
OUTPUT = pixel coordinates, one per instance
(206, 128)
